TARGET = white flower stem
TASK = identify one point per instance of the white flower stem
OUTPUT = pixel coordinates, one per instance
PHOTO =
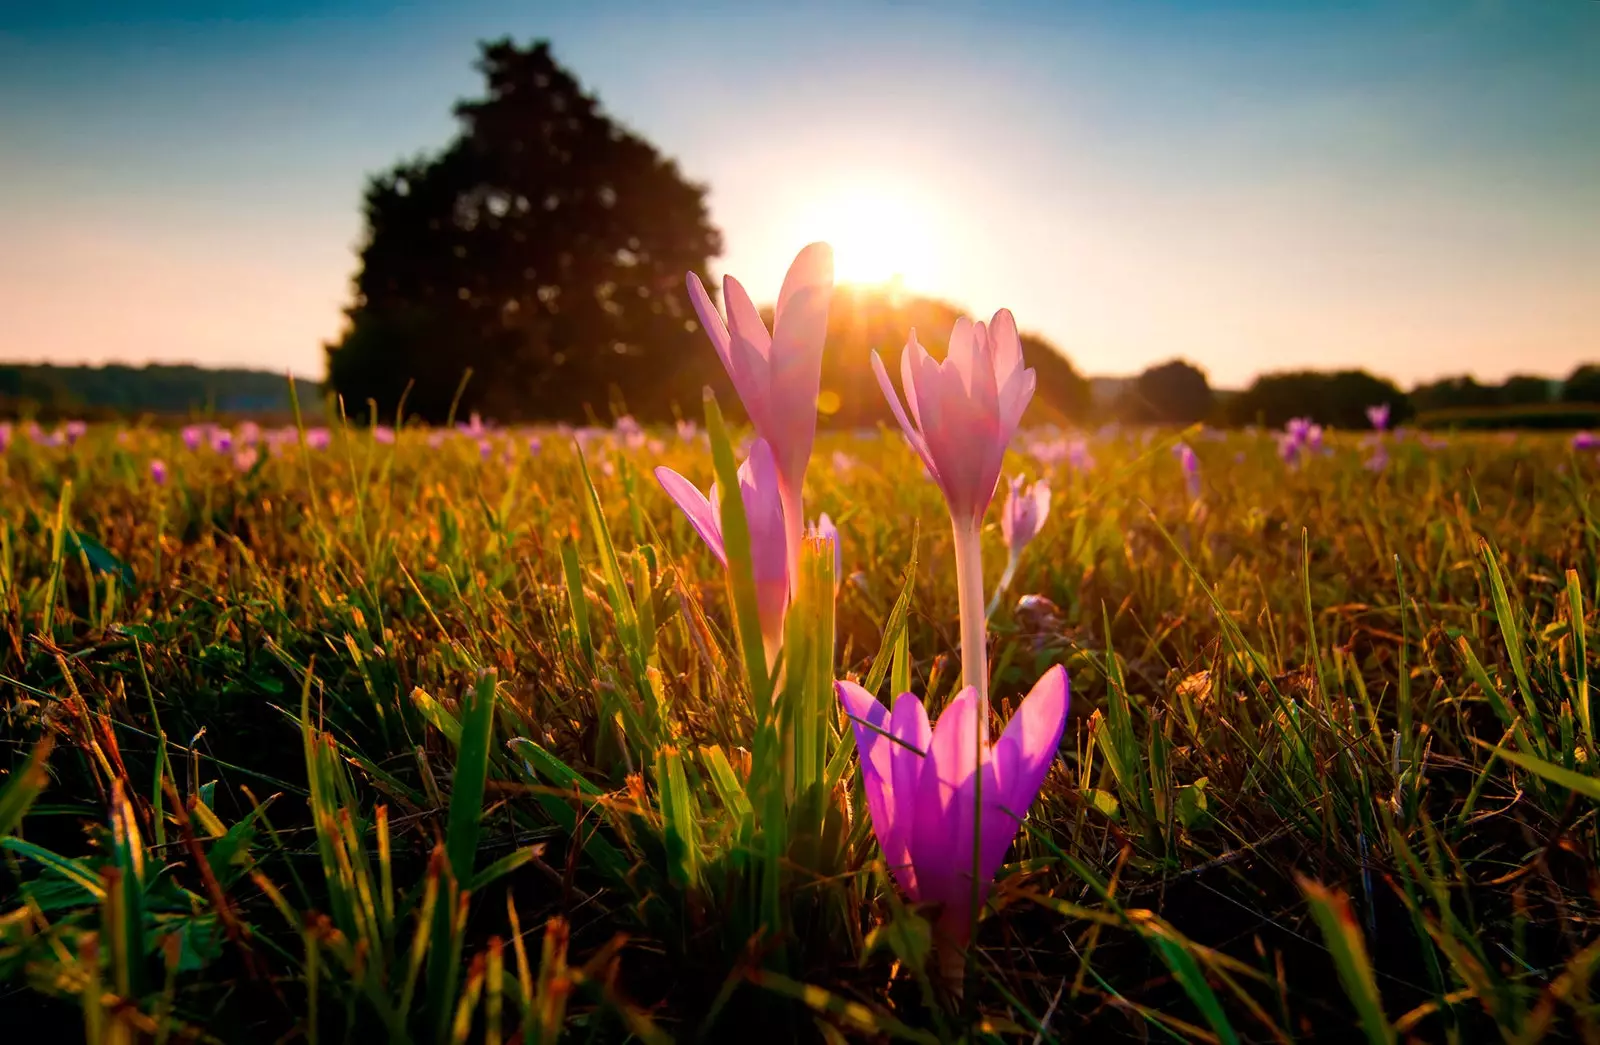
(974, 642)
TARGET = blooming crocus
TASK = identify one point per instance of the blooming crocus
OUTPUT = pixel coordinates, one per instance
(923, 792)
(1190, 464)
(778, 374)
(318, 438)
(1378, 417)
(5, 436)
(221, 440)
(687, 430)
(383, 434)
(764, 517)
(631, 431)
(535, 444)
(1024, 511)
(485, 448)
(246, 459)
(473, 427)
(249, 433)
(75, 430)
(158, 471)
(966, 410)
(1585, 441)
(192, 435)
(1079, 457)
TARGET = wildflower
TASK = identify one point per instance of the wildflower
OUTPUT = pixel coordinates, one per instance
(485, 448)
(1378, 417)
(1079, 457)
(158, 471)
(74, 430)
(966, 410)
(778, 375)
(5, 436)
(474, 427)
(318, 438)
(1024, 511)
(535, 444)
(192, 436)
(436, 438)
(246, 459)
(221, 440)
(383, 434)
(921, 788)
(1191, 469)
(687, 430)
(631, 431)
(249, 433)
(764, 517)
(1379, 460)
(1585, 441)
(842, 462)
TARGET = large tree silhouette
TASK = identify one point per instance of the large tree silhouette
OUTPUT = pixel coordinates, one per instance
(544, 248)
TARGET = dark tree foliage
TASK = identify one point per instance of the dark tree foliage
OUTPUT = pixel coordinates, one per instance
(1582, 385)
(1175, 392)
(1338, 398)
(864, 318)
(544, 248)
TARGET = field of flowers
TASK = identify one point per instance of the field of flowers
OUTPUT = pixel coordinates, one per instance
(476, 733)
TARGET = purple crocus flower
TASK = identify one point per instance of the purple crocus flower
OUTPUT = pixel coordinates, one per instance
(1585, 441)
(1191, 469)
(1379, 460)
(769, 548)
(920, 782)
(249, 433)
(246, 459)
(158, 471)
(192, 436)
(1024, 511)
(485, 448)
(631, 431)
(75, 430)
(1079, 457)
(318, 438)
(221, 440)
(5, 436)
(474, 427)
(1378, 416)
(535, 444)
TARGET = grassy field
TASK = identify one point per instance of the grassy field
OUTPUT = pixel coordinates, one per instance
(421, 740)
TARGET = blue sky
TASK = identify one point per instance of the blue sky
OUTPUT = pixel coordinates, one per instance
(1410, 186)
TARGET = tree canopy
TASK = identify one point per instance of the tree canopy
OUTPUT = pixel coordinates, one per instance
(1338, 398)
(1176, 392)
(544, 248)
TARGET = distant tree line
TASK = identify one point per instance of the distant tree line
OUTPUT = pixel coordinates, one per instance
(1178, 392)
(48, 392)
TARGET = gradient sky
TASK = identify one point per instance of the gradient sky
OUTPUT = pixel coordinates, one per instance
(1413, 186)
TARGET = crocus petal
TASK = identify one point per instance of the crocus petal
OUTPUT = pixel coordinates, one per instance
(763, 509)
(696, 507)
(1022, 759)
(872, 724)
(907, 759)
(799, 330)
(941, 832)
(913, 436)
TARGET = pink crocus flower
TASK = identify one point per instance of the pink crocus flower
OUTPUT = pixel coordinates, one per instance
(5, 436)
(249, 433)
(1190, 463)
(383, 434)
(246, 459)
(75, 430)
(764, 517)
(778, 374)
(192, 436)
(221, 440)
(1585, 441)
(318, 438)
(966, 409)
(1023, 513)
(158, 471)
(1025, 510)
(687, 430)
(921, 789)
(1378, 416)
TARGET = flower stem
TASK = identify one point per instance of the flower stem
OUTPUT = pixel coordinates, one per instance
(974, 641)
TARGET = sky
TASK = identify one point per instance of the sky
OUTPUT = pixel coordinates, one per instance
(1410, 186)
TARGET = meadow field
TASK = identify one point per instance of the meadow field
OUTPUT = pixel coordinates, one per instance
(458, 734)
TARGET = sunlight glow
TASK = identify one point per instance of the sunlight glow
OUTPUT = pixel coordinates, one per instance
(878, 235)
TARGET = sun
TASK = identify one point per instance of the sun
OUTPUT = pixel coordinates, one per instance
(878, 236)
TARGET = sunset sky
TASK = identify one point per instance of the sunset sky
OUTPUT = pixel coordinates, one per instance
(1413, 186)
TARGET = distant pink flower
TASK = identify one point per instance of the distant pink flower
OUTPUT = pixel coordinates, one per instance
(631, 431)
(221, 440)
(5, 436)
(1191, 469)
(436, 438)
(383, 434)
(474, 427)
(246, 459)
(485, 448)
(249, 433)
(920, 786)
(842, 462)
(1378, 416)
(75, 430)
(192, 436)
(1024, 511)
(1583, 441)
(1079, 457)
(318, 438)
(158, 471)
(965, 409)
(778, 374)
(1379, 460)
(764, 518)
(687, 431)
(535, 444)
